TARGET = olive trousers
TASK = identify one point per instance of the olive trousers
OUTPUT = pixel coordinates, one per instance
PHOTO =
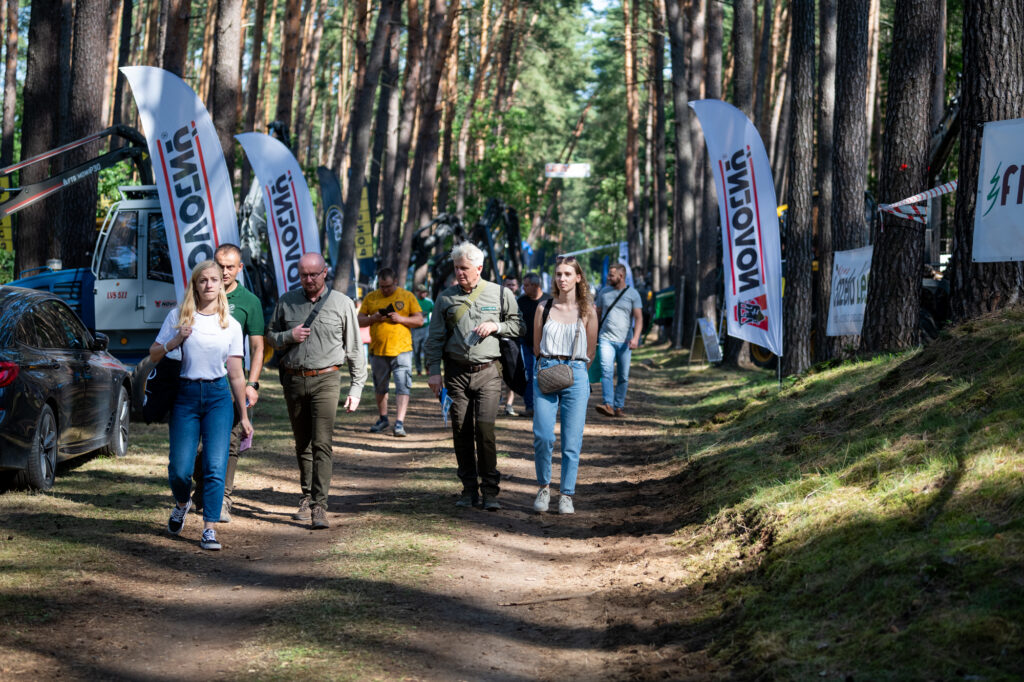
(312, 406)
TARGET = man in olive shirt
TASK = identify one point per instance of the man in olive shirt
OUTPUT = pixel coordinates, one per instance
(248, 312)
(463, 334)
(313, 353)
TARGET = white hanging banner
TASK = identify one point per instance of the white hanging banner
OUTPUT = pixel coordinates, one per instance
(751, 253)
(291, 219)
(188, 167)
(850, 272)
(999, 211)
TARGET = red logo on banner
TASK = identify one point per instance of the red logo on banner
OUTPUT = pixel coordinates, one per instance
(751, 312)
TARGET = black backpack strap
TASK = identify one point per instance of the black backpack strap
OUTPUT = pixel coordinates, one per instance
(609, 309)
(544, 315)
(316, 309)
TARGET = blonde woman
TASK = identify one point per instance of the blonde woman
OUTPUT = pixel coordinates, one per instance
(564, 331)
(209, 341)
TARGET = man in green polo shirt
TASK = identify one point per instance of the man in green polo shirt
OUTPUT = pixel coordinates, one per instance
(463, 334)
(248, 312)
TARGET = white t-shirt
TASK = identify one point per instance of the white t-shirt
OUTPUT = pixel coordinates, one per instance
(207, 348)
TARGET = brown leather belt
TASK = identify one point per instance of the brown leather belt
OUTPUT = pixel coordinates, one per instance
(563, 358)
(298, 372)
(472, 369)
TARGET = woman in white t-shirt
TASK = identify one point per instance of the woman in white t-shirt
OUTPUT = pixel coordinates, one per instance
(208, 341)
(564, 332)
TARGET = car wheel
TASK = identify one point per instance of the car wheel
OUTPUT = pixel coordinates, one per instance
(42, 460)
(118, 445)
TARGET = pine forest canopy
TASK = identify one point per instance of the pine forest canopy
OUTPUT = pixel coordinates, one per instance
(444, 105)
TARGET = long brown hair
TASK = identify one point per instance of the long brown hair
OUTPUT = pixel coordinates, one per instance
(187, 309)
(584, 302)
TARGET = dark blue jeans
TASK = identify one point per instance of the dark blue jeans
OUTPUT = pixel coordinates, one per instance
(202, 410)
(529, 363)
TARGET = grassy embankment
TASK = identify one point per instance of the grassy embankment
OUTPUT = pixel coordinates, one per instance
(867, 521)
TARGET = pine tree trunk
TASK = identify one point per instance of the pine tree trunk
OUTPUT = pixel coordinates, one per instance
(382, 126)
(632, 123)
(683, 212)
(824, 347)
(225, 87)
(341, 120)
(291, 47)
(993, 90)
(77, 230)
(206, 68)
(450, 97)
(659, 267)
(391, 241)
(483, 65)
(797, 302)
(310, 56)
(708, 236)
(891, 317)
(264, 116)
(253, 89)
(849, 173)
(743, 56)
(764, 72)
(870, 101)
(10, 83)
(362, 118)
(424, 169)
(176, 45)
(690, 246)
(34, 234)
(111, 31)
(120, 105)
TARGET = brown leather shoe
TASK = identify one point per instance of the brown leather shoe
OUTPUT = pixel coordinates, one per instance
(606, 410)
(619, 412)
(319, 518)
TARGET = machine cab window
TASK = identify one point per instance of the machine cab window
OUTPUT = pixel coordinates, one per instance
(158, 259)
(120, 254)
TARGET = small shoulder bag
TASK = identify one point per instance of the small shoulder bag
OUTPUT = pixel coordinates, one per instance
(554, 379)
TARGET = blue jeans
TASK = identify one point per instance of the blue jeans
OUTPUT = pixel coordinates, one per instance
(570, 405)
(202, 410)
(528, 364)
(612, 355)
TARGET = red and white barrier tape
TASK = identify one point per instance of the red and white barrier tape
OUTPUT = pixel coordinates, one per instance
(906, 210)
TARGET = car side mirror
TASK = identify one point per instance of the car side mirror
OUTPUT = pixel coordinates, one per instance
(100, 341)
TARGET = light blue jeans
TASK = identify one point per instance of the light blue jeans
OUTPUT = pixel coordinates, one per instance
(202, 410)
(614, 355)
(570, 406)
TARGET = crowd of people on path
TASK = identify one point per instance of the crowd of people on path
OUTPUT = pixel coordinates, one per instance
(317, 331)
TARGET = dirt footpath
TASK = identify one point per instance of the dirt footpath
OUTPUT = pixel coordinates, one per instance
(515, 595)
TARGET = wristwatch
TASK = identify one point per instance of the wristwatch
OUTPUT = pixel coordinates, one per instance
(254, 384)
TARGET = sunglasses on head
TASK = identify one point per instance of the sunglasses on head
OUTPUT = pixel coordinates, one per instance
(565, 259)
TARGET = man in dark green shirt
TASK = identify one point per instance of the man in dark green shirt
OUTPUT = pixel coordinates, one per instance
(464, 331)
(248, 312)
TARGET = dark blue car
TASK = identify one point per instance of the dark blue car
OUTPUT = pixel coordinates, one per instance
(61, 393)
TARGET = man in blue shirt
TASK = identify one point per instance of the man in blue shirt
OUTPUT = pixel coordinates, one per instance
(620, 315)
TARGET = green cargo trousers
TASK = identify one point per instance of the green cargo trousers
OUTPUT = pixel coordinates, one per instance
(312, 406)
(475, 397)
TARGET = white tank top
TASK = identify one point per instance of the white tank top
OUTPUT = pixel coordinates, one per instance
(556, 339)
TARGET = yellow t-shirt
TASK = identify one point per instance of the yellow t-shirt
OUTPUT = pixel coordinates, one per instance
(387, 338)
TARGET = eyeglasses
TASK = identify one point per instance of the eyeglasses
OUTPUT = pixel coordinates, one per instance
(312, 275)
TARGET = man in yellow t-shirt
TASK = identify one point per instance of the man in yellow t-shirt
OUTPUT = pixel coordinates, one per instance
(390, 312)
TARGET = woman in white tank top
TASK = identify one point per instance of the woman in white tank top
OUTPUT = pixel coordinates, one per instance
(564, 332)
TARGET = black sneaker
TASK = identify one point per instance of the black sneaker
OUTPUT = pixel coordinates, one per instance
(319, 520)
(177, 520)
(491, 504)
(209, 540)
(379, 425)
(468, 500)
(302, 513)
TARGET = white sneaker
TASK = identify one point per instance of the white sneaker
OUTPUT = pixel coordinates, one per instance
(565, 505)
(540, 504)
(209, 540)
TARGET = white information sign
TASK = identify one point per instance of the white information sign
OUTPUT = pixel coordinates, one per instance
(707, 334)
(850, 272)
(567, 170)
(999, 211)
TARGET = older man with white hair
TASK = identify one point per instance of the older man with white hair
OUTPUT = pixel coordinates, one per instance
(467, 320)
